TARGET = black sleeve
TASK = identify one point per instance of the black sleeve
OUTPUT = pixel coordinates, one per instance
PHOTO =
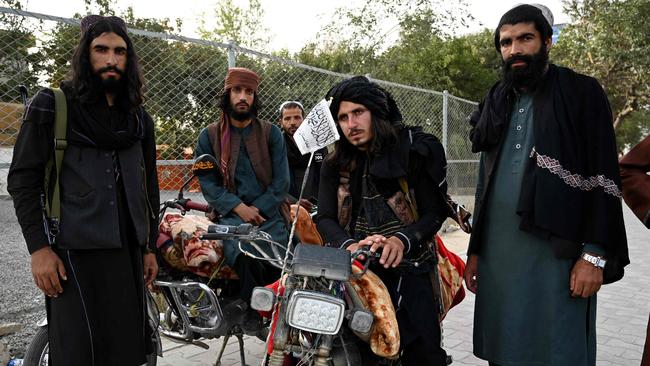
(429, 197)
(327, 218)
(33, 149)
(153, 194)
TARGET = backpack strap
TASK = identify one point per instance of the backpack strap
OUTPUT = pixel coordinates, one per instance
(53, 204)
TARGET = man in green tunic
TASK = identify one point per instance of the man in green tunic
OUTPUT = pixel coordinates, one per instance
(548, 229)
(254, 176)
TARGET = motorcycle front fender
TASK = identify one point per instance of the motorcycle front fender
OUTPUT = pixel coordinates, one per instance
(42, 323)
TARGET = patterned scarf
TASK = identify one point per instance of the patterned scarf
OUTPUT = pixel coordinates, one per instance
(224, 137)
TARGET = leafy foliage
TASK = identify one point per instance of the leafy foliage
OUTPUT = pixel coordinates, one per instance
(610, 41)
(241, 25)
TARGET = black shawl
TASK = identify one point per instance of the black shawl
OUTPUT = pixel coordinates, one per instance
(571, 188)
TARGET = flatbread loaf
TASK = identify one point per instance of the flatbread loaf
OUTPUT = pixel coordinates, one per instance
(384, 336)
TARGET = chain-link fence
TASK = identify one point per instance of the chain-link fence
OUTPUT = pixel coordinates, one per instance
(184, 76)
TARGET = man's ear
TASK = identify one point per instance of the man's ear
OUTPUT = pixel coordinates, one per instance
(549, 44)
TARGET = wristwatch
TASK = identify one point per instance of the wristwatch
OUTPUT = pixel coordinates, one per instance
(598, 262)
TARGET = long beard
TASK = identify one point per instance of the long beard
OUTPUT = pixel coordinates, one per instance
(526, 77)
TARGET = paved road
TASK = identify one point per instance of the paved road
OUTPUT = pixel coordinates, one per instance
(622, 312)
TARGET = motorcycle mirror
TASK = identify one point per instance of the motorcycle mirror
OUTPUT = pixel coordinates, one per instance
(204, 165)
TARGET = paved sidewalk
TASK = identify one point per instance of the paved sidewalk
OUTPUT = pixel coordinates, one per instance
(623, 310)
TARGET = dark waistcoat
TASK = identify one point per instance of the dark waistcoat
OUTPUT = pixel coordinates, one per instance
(89, 207)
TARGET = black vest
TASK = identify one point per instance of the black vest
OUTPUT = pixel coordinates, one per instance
(89, 207)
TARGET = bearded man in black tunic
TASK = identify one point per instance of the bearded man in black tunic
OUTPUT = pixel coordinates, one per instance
(95, 268)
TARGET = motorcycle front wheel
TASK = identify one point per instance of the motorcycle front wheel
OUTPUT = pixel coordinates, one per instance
(37, 353)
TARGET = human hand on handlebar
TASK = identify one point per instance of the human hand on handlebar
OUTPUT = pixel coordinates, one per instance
(392, 249)
(47, 268)
(249, 214)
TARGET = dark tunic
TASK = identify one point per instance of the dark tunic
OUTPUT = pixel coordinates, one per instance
(99, 319)
(409, 287)
(298, 167)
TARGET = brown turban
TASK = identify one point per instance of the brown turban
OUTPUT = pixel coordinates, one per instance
(242, 77)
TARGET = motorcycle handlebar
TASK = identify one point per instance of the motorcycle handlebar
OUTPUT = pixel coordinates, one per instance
(197, 206)
(221, 232)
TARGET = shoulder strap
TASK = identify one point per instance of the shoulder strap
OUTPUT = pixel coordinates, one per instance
(404, 185)
(53, 205)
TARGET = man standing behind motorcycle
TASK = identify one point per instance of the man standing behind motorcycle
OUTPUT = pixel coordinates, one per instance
(375, 160)
(94, 272)
(292, 114)
(254, 177)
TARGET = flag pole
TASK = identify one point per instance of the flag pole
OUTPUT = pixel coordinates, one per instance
(302, 190)
(286, 255)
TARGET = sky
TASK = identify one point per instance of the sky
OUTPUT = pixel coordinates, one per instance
(292, 23)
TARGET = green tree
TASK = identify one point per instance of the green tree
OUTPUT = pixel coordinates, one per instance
(16, 59)
(610, 41)
(242, 25)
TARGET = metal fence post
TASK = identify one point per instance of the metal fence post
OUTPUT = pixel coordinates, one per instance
(232, 58)
(445, 118)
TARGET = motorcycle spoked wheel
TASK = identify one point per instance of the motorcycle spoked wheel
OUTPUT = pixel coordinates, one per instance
(37, 353)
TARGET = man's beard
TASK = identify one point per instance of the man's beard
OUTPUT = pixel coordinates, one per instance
(525, 77)
(111, 85)
(237, 115)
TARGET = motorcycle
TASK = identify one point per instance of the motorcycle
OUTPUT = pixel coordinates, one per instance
(318, 312)
(194, 307)
(207, 306)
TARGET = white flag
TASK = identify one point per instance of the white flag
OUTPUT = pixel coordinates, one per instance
(317, 130)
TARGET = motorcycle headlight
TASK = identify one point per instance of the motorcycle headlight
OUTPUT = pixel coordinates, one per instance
(262, 299)
(315, 312)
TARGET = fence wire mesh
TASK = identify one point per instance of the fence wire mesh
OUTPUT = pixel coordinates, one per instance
(183, 78)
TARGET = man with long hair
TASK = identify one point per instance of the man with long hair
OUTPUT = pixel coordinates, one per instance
(548, 226)
(94, 268)
(384, 186)
(254, 174)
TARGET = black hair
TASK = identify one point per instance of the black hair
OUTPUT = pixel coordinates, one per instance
(524, 14)
(384, 136)
(290, 105)
(386, 117)
(223, 102)
(81, 75)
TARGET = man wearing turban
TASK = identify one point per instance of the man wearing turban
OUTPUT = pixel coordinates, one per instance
(383, 186)
(254, 174)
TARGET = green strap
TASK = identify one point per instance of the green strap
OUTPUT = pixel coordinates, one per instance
(53, 206)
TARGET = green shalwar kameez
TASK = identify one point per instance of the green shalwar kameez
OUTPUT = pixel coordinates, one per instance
(249, 191)
(524, 313)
